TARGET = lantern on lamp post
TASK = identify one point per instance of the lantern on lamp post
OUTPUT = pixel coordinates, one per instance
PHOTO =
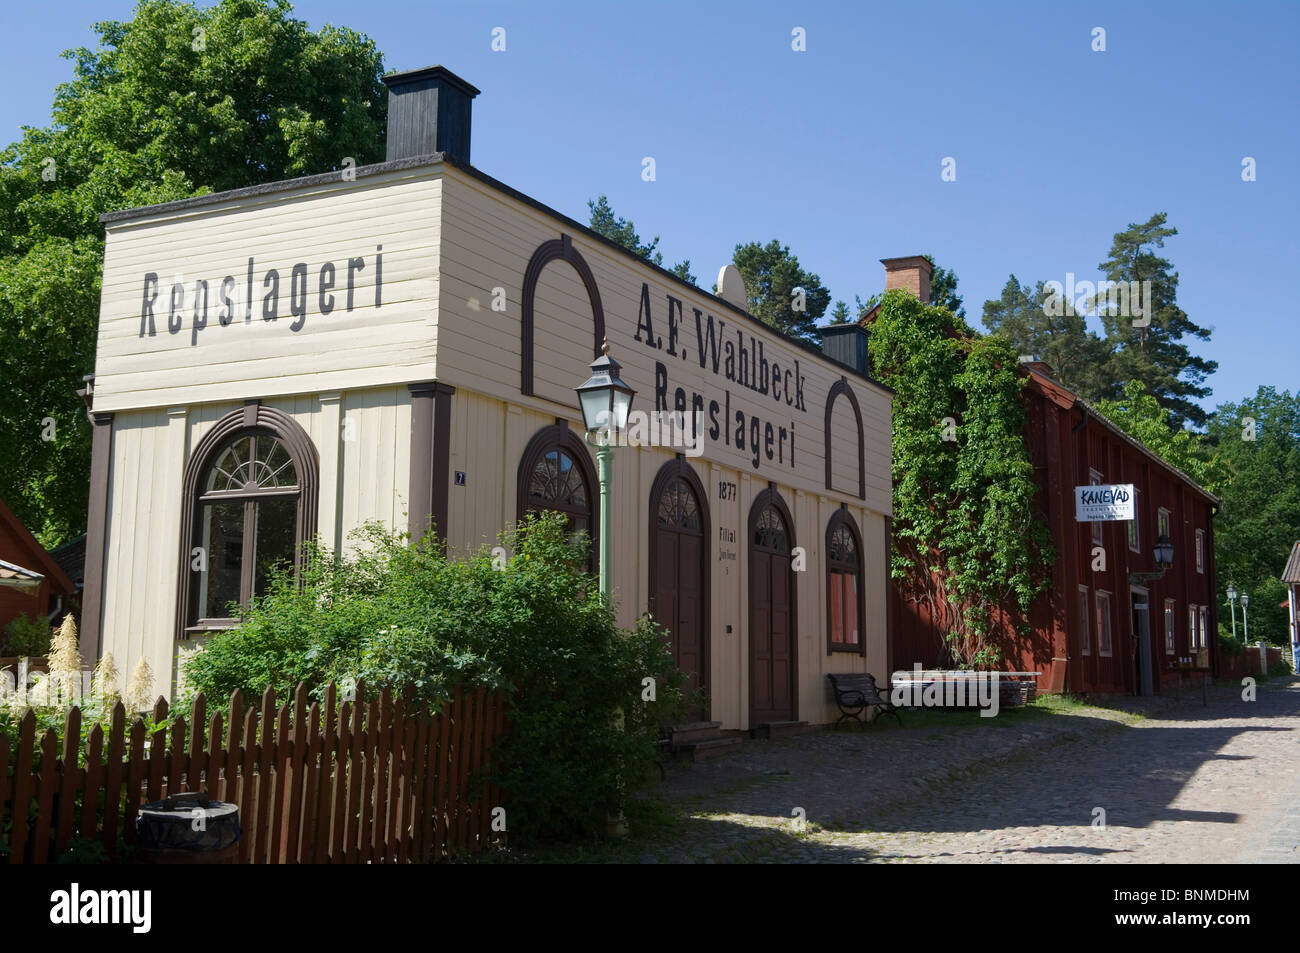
(1164, 556)
(606, 401)
(1245, 619)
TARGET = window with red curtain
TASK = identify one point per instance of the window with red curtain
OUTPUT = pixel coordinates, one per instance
(844, 583)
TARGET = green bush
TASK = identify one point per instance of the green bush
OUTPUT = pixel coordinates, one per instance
(1282, 667)
(27, 636)
(1228, 646)
(533, 625)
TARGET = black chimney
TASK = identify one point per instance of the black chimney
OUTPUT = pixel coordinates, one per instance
(846, 344)
(428, 111)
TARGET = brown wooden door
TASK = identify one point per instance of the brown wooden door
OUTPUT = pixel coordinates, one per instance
(771, 615)
(679, 576)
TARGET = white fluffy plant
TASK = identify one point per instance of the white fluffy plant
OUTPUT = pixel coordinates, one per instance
(63, 686)
(105, 683)
(139, 689)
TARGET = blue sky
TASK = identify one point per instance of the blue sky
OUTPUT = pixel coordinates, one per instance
(837, 150)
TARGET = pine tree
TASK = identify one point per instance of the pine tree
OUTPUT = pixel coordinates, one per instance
(1079, 358)
(781, 293)
(1156, 354)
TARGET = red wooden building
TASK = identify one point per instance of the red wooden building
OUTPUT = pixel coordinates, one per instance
(1099, 627)
(31, 581)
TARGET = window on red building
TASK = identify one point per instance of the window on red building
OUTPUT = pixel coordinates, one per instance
(1104, 641)
(1085, 632)
(1169, 627)
(1095, 479)
(1134, 534)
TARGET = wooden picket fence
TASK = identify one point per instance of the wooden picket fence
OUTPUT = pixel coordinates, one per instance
(381, 780)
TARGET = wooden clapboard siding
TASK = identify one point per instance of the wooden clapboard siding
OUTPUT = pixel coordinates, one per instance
(290, 775)
(142, 526)
(376, 461)
(844, 459)
(394, 344)
(150, 450)
(487, 240)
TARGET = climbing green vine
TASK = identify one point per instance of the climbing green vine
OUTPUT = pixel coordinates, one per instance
(969, 543)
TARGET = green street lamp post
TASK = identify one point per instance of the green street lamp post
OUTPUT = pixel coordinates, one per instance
(606, 401)
(1245, 619)
(1232, 609)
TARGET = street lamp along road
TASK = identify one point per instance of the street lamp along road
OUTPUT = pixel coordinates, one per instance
(1232, 609)
(606, 401)
(1245, 619)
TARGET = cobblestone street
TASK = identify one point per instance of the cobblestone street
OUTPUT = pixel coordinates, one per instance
(1177, 781)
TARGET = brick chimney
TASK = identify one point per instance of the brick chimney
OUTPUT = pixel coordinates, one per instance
(428, 111)
(911, 274)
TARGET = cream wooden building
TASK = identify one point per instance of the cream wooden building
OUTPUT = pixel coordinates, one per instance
(401, 342)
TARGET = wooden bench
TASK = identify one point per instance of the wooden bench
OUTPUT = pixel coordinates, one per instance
(855, 692)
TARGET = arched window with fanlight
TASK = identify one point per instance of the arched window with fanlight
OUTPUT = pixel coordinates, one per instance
(846, 613)
(250, 499)
(555, 473)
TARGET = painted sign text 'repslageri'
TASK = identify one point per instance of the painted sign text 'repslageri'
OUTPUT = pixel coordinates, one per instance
(233, 297)
(743, 361)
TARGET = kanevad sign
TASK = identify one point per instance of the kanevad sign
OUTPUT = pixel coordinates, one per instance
(1103, 503)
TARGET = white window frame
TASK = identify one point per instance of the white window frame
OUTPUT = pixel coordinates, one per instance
(1085, 640)
(1134, 529)
(1095, 478)
(1171, 626)
(1204, 616)
(1200, 550)
(1105, 646)
(1191, 628)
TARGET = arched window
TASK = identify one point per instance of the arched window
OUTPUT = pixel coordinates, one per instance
(845, 609)
(250, 500)
(555, 473)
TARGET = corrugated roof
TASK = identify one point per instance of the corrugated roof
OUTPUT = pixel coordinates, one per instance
(17, 577)
(1292, 571)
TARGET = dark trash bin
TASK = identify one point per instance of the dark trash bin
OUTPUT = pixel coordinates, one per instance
(188, 828)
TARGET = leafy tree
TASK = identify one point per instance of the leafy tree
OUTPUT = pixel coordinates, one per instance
(840, 313)
(781, 293)
(1077, 356)
(1258, 440)
(177, 101)
(968, 539)
(623, 232)
(943, 289)
(620, 230)
(1143, 418)
(1155, 355)
(683, 271)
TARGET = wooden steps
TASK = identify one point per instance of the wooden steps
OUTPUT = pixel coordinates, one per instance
(700, 740)
(779, 729)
